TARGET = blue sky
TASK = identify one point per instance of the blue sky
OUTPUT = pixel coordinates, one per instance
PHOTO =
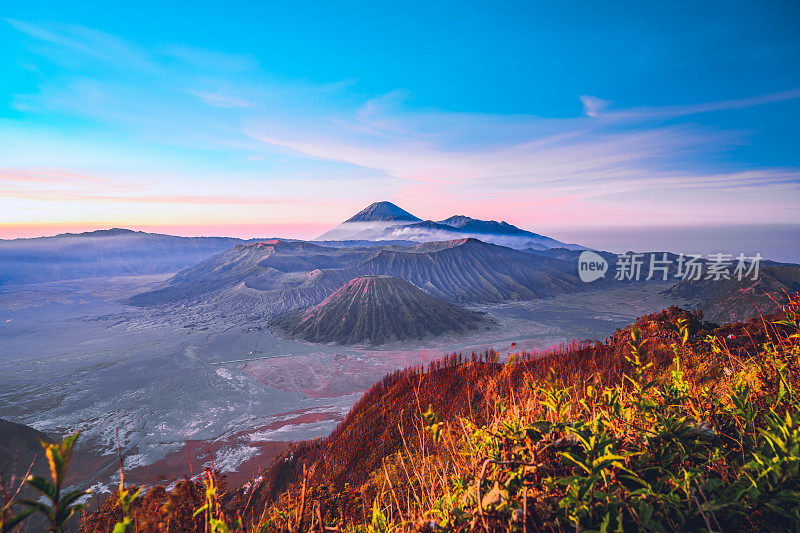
(284, 118)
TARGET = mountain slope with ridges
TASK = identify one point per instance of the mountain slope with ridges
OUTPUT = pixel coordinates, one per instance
(376, 310)
(472, 271)
(261, 280)
(273, 275)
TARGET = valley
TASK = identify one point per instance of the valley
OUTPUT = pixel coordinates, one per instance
(78, 357)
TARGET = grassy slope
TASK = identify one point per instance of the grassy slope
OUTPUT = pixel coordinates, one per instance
(675, 454)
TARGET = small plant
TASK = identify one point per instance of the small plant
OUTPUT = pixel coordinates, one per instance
(59, 508)
(432, 424)
(379, 522)
(213, 524)
(678, 387)
(125, 498)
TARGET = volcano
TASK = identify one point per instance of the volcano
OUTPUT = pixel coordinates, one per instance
(376, 310)
(382, 211)
(370, 223)
(384, 221)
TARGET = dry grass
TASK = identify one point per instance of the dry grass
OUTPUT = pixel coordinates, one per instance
(473, 443)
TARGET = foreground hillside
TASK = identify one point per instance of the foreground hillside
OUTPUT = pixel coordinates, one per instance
(672, 424)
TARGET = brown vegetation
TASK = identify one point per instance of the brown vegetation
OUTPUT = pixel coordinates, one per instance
(397, 449)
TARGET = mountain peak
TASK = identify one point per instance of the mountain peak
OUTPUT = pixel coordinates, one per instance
(382, 211)
(474, 225)
(457, 221)
(112, 232)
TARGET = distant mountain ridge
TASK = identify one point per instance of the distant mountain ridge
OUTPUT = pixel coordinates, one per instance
(473, 225)
(734, 300)
(384, 221)
(376, 310)
(262, 280)
(111, 252)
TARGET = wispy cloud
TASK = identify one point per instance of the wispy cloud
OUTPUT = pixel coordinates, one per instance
(46, 175)
(604, 166)
(581, 157)
(60, 185)
(223, 113)
(83, 43)
(222, 100)
(594, 107)
(181, 199)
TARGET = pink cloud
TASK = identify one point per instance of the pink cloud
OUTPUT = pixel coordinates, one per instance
(61, 184)
(46, 175)
(60, 196)
(247, 231)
